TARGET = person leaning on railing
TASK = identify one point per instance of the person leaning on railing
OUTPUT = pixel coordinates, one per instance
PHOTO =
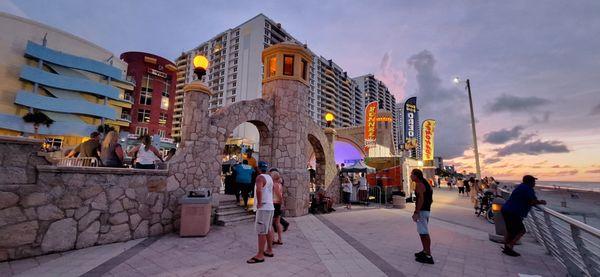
(515, 209)
(89, 148)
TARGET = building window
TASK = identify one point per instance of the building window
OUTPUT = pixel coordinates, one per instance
(53, 143)
(143, 116)
(165, 92)
(288, 65)
(161, 133)
(162, 119)
(141, 131)
(146, 96)
(272, 66)
(164, 103)
(304, 69)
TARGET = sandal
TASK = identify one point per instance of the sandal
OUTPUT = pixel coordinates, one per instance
(270, 255)
(278, 243)
(254, 260)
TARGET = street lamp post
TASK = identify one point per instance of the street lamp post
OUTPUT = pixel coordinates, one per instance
(476, 150)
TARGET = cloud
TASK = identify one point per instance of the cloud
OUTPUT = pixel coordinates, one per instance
(536, 147)
(511, 103)
(593, 171)
(561, 173)
(560, 166)
(440, 103)
(491, 160)
(595, 110)
(11, 8)
(544, 118)
(504, 135)
(393, 78)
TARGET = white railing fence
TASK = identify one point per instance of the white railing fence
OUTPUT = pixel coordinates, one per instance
(87, 161)
(574, 244)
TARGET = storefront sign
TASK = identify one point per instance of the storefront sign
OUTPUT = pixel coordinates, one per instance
(371, 124)
(411, 126)
(157, 73)
(427, 138)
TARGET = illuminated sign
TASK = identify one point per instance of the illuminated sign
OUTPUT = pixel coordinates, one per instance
(427, 138)
(157, 73)
(385, 119)
(371, 124)
(411, 125)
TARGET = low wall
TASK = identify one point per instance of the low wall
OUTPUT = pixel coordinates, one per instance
(45, 209)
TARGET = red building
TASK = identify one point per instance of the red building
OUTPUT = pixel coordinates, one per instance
(154, 93)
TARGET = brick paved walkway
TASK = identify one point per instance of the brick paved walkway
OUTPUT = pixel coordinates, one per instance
(361, 242)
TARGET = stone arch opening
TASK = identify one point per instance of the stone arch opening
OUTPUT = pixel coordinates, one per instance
(347, 151)
(318, 153)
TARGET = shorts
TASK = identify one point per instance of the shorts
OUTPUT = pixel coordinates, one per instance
(422, 223)
(346, 198)
(514, 224)
(263, 222)
(277, 209)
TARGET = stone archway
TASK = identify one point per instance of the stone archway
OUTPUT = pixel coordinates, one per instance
(319, 153)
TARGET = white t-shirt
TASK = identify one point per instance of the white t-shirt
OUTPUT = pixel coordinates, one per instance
(267, 194)
(347, 187)
(362, 183)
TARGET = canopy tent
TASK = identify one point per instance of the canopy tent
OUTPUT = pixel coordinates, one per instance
(359, 166)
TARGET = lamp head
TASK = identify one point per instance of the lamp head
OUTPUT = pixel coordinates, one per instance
(456, 80)
(329, 117)
(200, 65)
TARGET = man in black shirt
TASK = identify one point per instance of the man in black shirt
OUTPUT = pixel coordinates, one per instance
(424, 194)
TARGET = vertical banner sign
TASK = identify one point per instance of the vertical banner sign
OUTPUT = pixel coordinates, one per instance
(427, 139)
(371, 124)
(410, 125)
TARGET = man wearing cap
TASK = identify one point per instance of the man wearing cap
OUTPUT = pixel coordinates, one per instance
(263, 201)
(515, 209)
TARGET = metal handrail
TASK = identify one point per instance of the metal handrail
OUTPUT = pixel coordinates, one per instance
(82, 161)
(580, 256)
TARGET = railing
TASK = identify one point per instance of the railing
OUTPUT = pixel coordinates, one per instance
(574, 244)
(87, 161)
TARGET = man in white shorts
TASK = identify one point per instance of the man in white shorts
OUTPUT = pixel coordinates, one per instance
(263, 201)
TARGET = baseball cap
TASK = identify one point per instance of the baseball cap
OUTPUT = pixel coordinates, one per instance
(529, 179)
(263, 165)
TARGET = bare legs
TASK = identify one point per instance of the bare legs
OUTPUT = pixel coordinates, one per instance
(426, 242)
(279, 229)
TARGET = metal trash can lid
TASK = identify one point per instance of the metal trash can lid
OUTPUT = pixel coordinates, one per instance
(195, 200)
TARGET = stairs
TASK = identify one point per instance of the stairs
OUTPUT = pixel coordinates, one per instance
(229, 213)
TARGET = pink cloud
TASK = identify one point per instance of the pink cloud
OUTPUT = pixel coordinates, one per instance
(392, 77)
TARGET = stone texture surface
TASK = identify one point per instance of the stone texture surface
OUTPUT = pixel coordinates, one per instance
(116, 233)
(18, 234)
(49, 212)
(8, 199)
(89, 236)
(61, 236)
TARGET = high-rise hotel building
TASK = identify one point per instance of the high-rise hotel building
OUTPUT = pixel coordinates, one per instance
(235, 65)
(376, 90)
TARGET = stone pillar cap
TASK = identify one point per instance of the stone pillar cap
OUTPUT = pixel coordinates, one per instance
(197, 86)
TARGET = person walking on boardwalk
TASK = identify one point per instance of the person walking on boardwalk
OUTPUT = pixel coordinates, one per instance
(515, 209)
(264, 214)
(424, 194)
(277, 201)
(243, 181)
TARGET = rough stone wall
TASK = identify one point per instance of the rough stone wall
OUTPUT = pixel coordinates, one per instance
(68, 208)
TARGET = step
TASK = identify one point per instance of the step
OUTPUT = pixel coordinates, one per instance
(229, 206)
(231, 216)
(230, 212)
(235, 220)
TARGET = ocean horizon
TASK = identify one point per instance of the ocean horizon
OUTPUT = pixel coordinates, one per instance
(588, 186)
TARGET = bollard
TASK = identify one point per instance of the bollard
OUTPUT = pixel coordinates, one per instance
(499, 224)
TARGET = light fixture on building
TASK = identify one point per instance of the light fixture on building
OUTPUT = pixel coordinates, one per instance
(329, 117)
(200, 66)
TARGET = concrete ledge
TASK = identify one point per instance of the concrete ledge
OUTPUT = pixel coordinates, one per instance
(102, 170)
(19, 140)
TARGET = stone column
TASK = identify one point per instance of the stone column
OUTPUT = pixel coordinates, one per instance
(289, 90)
(197, 162)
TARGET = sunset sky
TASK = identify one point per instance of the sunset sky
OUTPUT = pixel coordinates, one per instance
(534, 66)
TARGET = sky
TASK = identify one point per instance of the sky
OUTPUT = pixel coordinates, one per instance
(534, 66)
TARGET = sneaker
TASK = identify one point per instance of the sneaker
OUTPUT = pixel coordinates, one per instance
(510, 252)
(426, 259)
(420, 254)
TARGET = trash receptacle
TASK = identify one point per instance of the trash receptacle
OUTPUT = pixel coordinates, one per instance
(195, 213)
(399, 201)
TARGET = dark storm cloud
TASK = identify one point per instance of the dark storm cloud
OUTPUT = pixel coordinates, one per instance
(491, 160)
(595, 110)
(439, 103)
(535, 147)
(511, 103)
(504, 135)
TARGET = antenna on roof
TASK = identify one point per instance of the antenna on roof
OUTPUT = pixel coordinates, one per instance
(44, 40)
